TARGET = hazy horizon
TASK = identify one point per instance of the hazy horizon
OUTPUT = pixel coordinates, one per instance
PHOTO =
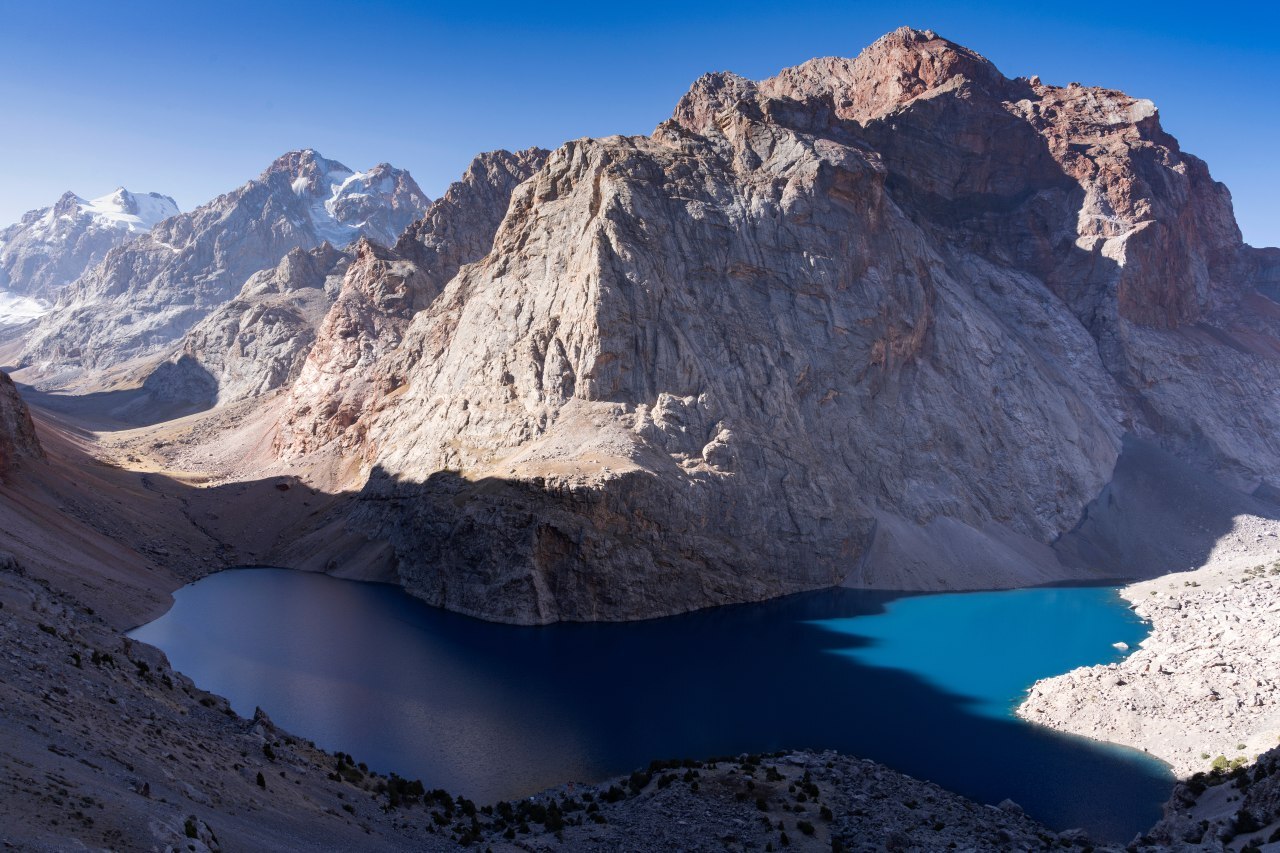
(191, 103)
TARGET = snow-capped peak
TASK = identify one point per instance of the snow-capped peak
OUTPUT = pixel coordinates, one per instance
(120, 210)
(136, 214)
(50, 247)
(341, 202)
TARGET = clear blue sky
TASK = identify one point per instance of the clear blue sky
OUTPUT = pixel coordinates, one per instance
(192, 99)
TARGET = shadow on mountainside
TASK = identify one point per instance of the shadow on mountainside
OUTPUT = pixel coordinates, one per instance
(1157, 515)
(121, 540)
(113, 410)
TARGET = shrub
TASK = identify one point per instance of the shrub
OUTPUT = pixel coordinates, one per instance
(1246, 822)
(262, 781)
(639, 779)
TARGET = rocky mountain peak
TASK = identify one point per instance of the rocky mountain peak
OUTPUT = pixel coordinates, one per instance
(899, 67)
(68, 204)
(123, 200)
(894, 70)
(306, 169)
(813, 322)
(52, 246)
(300, 268)
(709, 96)
(458, 228)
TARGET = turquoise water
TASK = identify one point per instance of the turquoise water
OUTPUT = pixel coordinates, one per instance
(988, 647)
(923, 683)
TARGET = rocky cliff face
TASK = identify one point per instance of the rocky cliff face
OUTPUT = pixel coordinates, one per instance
(459, 226)
(51, 247)
(257, 342)
(880, 321)
(17, 433)
(381, 294)
(148, 294)
(261, 340)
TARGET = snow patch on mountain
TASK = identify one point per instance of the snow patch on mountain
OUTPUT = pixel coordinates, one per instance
(16, 310)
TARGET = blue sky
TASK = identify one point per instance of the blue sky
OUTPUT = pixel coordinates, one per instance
(194, 99)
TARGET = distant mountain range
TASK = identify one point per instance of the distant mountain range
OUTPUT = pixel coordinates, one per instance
(152, 289)
(51, 247)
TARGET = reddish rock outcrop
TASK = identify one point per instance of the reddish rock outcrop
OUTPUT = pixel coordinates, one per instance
(17, 433)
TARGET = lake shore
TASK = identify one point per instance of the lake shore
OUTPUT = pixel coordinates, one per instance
(1204, 687)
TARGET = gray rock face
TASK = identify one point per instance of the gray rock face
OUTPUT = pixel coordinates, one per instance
(808, 330)
(459, 226)
(259, 340)
(17, 433)
(51, 247)
(382, 293)
(148, 294)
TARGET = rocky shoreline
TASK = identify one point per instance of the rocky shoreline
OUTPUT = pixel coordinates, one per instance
(1203, 690)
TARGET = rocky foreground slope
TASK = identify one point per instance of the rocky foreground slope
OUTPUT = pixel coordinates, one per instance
(891, 321)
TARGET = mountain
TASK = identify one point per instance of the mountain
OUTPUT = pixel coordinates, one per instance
(256, 342)
(262, 340)
(146, 295)
(382, 293)
(51, 247)
(893, 321)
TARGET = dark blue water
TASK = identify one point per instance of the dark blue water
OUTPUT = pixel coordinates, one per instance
(921, 683)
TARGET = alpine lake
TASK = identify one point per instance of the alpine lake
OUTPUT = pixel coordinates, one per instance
(926, 684)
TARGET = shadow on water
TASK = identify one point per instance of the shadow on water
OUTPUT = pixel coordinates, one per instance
(496, 711)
